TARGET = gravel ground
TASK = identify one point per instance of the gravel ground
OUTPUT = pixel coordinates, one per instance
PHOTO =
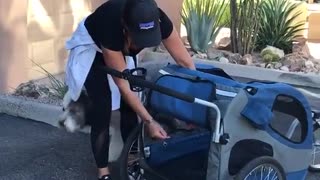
(45, 100)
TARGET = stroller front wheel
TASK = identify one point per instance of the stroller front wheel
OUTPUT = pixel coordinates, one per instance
(262, 168)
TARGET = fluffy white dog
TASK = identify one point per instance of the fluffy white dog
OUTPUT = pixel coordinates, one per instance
(74, 113)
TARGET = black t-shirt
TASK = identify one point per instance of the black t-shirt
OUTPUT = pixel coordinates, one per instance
(105, 27)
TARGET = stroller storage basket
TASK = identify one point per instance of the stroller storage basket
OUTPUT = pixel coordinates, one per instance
(180, 144)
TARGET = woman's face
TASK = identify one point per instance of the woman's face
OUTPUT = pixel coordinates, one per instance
(128, 39)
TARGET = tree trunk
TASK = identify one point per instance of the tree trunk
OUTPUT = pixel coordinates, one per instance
(234, 17)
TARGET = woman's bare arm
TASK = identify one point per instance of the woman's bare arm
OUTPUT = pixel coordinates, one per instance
(177, 50)
(114, 60)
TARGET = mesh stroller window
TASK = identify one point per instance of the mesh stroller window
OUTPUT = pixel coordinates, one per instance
(289, 119)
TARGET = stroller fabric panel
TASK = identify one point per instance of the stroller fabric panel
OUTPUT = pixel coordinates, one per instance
(186, 111)
(259, 110)
(179, 145)
(244, 137)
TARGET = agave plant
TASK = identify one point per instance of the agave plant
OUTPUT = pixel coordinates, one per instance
(277, 28)
(203, 21)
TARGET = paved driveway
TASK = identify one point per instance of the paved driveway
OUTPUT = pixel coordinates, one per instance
(31, 150)
(35, 151)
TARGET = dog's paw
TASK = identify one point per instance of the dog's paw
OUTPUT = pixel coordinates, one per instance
(69, 125)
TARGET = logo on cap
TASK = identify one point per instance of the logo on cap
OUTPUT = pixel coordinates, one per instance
(148, 25)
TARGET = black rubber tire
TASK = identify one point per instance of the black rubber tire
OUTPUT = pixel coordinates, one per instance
(123, 164)
(122, 161)
(257, 162)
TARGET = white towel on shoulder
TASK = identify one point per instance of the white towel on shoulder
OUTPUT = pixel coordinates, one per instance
(82, 53)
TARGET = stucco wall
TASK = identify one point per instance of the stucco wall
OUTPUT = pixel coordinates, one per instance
(36, 30)
(13, 43)
(49, 24)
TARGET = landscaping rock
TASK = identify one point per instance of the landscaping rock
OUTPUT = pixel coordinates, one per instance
(295, 68)
(214, 54)
(309, 67)
(301, 47)
(224, 43)
(277, 65)
(246, 60)
(234, 58)
(284, 68)
(262, 65)
(309, 64)
(256, 58)
(200, 55)
(270, 66)
(223, 60)
(294, 61)
(31, 89)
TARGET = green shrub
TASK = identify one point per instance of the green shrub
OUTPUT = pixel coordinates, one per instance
(276, 27)
(202, 19)
(270, 58)
(245, 23)
(58, 87)
(226, 17)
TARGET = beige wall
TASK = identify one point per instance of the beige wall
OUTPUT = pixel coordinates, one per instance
(314, 27)
(50, 23)
(13, 43)
(173, 10)
(36, 30)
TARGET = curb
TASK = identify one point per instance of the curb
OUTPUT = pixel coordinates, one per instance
(48, 113)
(154, 60)
(20, 107)
(31, 109)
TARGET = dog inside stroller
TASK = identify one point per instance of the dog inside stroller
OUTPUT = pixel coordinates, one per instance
(220, 129)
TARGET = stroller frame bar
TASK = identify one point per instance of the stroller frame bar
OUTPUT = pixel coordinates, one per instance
(217, 133)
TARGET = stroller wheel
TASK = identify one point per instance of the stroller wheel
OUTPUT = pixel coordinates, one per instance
(131, 164)
(129, 159)
(315, 164)
(262, 168)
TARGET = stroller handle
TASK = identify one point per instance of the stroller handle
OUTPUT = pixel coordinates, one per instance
(139, 80)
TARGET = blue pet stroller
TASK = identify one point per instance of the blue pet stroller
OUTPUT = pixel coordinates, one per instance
(255, 130)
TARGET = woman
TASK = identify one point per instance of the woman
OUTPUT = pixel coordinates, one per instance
(116, 30)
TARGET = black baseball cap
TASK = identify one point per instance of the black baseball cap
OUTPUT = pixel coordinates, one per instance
(142, 21)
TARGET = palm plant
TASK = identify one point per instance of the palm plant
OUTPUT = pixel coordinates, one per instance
(203, 21)
(277, 28)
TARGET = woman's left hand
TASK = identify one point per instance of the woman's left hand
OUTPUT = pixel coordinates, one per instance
(156, 131)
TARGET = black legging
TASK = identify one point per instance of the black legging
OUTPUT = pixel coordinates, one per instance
(98, 90)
